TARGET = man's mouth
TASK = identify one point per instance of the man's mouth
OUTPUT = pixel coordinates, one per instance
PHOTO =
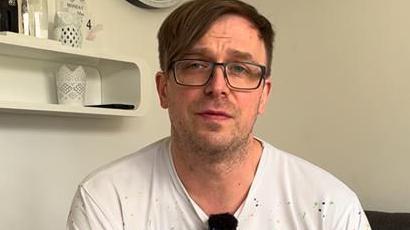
(215, 115)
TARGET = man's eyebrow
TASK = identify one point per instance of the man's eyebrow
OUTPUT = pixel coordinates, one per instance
(197, 51)
(232, 53)
(240, 55)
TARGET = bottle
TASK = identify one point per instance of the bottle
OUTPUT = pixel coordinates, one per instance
(25, 18)
(34, 18)
(38, 11)
(9, 15)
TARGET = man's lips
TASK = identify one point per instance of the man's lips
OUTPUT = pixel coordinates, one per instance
(215, 114)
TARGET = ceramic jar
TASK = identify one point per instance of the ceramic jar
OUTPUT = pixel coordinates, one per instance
(71, 85)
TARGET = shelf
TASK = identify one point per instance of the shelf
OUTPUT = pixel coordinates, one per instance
(57, 109)
(27, 81)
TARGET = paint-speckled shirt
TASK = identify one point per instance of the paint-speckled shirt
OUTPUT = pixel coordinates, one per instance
(143, 191)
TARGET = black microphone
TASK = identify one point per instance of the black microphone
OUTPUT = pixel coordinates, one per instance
(224, 221)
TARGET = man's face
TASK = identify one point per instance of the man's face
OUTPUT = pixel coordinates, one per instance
(215, 118)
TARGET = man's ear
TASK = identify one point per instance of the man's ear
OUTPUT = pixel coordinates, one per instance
(161, 80)
(265, 96)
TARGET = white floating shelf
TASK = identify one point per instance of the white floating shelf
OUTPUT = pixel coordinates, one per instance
(27, 84)
(56, 109)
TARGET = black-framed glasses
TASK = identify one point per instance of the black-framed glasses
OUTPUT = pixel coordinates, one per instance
(238, 75)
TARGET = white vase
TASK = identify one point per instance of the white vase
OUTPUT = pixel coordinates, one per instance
(68, 29)
(71, 85)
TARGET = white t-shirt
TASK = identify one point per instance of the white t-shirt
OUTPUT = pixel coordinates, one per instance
(143, 191)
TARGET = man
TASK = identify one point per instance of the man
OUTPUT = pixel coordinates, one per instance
(215, 58)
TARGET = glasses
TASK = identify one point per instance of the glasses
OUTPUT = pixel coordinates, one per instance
(238, 75)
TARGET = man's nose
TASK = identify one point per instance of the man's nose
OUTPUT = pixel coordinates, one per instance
(217, 84)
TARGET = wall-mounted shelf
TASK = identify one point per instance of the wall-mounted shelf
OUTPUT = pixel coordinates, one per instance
(27, 78)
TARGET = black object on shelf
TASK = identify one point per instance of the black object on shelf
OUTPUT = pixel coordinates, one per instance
(113, 106)
(9, 16)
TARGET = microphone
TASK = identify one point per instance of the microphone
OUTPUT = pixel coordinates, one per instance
(224, 221)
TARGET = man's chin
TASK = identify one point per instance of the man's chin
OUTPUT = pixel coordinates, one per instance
(214, 142)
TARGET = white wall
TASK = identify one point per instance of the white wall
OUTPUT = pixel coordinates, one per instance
(340, 99)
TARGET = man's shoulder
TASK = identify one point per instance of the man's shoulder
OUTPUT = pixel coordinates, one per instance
(137, 165)
(301, 174)
(302, 194)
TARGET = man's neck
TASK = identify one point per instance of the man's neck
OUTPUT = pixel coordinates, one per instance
(218, 186)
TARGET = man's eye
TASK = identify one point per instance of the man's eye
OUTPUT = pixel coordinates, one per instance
(238, 69)
(194, 65)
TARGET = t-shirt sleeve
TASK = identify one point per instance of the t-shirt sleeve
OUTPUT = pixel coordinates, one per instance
(85, 213)
(362, 222)
(356, 218)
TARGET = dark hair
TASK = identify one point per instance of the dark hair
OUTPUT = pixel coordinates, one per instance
(190, 21)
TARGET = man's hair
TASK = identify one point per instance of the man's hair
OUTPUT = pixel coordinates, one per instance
(190, 21)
